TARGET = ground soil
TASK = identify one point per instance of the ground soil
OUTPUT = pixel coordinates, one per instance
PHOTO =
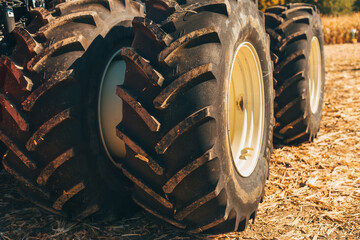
(313, 191)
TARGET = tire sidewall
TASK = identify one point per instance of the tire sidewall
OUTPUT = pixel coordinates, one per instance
(313, 119)
(245, 192)
(89, 72)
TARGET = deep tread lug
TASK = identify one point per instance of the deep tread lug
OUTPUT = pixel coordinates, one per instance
(53, 165)
(209, 225)
(141, 154)
(147, 189)
(281, 28)
(284, 109)
(39, 135)
(25, 181)
(291, 125)
(159, 35)
(289, 140)
(158, 215)
(154, 77)
(90, 17)
(177, 178)
(182, 41)
(168, 94)
(289, 59)
(67, 195)
(181, 128)
(181, 215)
(17, 151)
(148, 119)
(14, 112)
(10, 67)
(292, 37)
(31, 100)
(77, 43)
(297, 77)
(271, 17)
(21, 34)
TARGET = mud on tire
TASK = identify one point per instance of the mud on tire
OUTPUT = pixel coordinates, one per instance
(294, 29)
(48, 96)
(174, 116)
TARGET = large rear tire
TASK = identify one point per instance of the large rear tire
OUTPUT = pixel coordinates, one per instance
(49, 117)
(297, 48)
(182, 97)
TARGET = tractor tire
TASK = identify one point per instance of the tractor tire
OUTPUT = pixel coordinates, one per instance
(177, 97)
(49, 117)
(297, 48)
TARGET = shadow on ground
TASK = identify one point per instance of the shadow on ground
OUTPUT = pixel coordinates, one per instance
(20, 219)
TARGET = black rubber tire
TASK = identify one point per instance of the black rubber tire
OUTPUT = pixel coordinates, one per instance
(175, 93)
(292, 28)
(49, 89)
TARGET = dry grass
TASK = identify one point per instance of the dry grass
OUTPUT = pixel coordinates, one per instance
(313, 191)
(337, 28)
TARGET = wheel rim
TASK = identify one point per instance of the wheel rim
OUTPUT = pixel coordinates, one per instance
(110, 107)
(246, 109)
(315, 75)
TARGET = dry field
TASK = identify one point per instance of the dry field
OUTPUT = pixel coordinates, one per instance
(337, 29)
(313, 191)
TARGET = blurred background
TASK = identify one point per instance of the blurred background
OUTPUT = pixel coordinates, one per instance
(340, 18)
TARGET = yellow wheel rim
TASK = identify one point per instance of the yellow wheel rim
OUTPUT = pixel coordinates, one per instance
(246, 109)
(315, 75)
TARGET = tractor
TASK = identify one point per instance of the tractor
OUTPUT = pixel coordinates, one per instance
(170, 104)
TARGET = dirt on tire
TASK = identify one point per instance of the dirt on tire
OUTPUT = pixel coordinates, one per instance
(48, 115)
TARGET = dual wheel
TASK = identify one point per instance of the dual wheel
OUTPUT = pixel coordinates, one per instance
(193, 112)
